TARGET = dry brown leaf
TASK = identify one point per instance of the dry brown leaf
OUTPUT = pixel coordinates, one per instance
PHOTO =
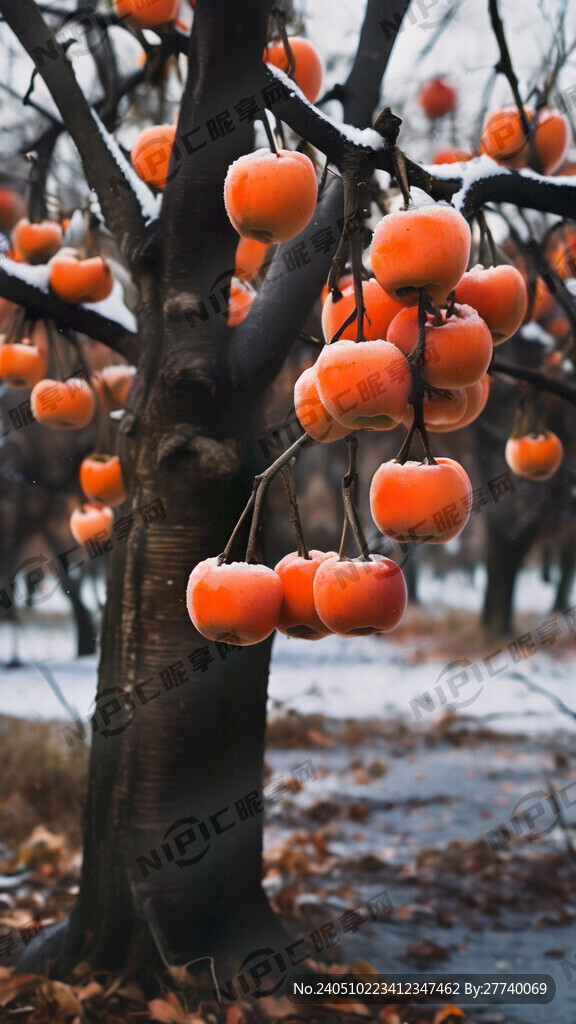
(93, 988)
(165, 1012)
(56, 997)
(12, 987)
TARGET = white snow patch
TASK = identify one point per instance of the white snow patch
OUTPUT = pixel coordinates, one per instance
(149, 204)
(114, 308)
(35, 276)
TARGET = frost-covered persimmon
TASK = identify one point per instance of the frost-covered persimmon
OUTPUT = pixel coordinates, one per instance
(380, 311)
(91, 520)
(422, 247)
(498, 294)
(359, 598)
(250, 255)
(298, 615)
(364, 385)
(477, 396)
(437, 98)
(151, 153)
(535, 456)
(458, 351)
(311, 413)
(271, 197)
(65, 405)
(419, 501)
(504, 138)
(22, 365)
(237, 603)
(308, 69)
(242, 295)
(150, 13)
(543, 302)
(37, 242)
(113, 386)
(441, 408)
(76, 280)
(101, 479)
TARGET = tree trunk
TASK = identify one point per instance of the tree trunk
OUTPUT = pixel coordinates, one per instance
(567, 561)
(504, 557)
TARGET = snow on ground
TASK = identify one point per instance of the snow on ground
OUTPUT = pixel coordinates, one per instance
(343, 678)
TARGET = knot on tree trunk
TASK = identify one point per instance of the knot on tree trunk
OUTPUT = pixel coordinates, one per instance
(211, 458)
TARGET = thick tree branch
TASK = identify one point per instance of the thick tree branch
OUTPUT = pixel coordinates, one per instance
(538, 380)
(361, 90)
(40, 303)
(114, 187)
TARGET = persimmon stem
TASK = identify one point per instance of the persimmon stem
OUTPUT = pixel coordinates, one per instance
(416, 360)
(350, 511)
(504, 65)
(269, 133)
(255, 501)
(288, 475)
(486, 236)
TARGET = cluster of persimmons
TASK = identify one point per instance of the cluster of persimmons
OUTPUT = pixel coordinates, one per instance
(409, 345)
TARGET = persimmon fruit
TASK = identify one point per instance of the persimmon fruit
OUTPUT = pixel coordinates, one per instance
(359, 598)
(76, 280)
(250, 256)
(101, 479)
(364, 385)
(380, 310)
(270, 197)
(477, 397)
(37, 242)
(22, 365)
(535, 456)
(504, 139)
(151, 154)
(237, 603)
(308, 68)
(298, 616)
(65, 405)
(498, 294)
(420, 501)
(242, 295)
(437, 98)
(424, 247)
(458, 351)
(113, 386)
(91, 520)
(148, 13)
(311, 412)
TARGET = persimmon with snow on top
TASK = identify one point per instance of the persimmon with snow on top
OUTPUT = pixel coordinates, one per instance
(91, 521)
(270, 197)
(498, 294)
(237, 603)
(421, 501)
(22, 364)
(64, 405)
(101, 479)
(37, 242)
(536, 456)
(364, 384)
(357, 597)
(424, 247)
(76, 280)
(298, 616)
(312, 413)
(458, 347)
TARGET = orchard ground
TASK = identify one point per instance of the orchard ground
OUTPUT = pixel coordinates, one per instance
(424, 766)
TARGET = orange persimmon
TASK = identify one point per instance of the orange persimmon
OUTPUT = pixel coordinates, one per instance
(477, 396)
(458, 350)
(308, 69)
(37, 242)
(68, 404)
(242, 296)
(148, 13)
(23, 364)
(271, 197)
(420, 501)
(311, 413)
(90, 521)
(498, 294)
(504, 138)
(437, 99)
(237, 603)
(535, 456)
(360, 597)
(151, 154)
(365, 385)
(425, 247)
(380, 310)
(250, 256)
(76, 280)
(298, 615)
(101, 479)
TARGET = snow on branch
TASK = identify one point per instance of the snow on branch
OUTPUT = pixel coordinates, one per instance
(110, 321)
